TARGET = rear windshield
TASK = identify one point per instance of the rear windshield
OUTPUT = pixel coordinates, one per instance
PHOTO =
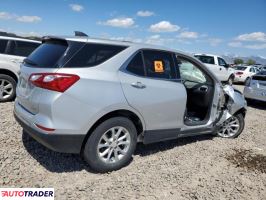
(94, 54)
(47, 55)
(58, 53)
(206, 59)
(241, 68)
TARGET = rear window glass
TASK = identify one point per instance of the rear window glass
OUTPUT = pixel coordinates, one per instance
(241, 68)
(94, 54)
(47, 55)
(24, 49)
(206, 59)
(3, 45)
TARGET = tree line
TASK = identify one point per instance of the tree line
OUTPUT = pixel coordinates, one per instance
(239, 61)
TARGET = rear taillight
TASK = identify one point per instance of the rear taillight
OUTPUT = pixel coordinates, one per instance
(53, 81)
(239, 73)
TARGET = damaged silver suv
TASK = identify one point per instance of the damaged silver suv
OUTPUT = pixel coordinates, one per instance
(98, 98)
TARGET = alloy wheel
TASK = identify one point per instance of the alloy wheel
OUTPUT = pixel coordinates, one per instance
(114, 144)
(229, 128)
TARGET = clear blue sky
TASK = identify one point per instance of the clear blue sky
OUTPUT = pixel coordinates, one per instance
(210, 26)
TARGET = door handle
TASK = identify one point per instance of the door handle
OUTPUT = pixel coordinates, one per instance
(138, 85)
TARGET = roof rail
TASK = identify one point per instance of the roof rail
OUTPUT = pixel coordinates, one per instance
(79, 33)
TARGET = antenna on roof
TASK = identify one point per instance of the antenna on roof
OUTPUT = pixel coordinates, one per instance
(79, 33)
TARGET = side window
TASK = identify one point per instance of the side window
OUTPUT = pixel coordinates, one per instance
(24, 49)
(159, 64)
(252, 70)
(136, 65)
(3, 44)
(94, 54)
(190, 73)
(221, 62)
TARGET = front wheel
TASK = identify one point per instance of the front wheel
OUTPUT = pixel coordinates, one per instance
(232, 127)
(111, 145)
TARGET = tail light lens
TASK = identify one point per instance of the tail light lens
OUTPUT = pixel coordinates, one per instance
(239, 73)
(53, 81)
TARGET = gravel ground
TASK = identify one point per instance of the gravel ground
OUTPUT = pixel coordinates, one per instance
(202, 167)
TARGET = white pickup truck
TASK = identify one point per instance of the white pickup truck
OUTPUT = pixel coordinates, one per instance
(218, 66)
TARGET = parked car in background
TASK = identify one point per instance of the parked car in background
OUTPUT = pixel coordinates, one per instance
(255, 88)
(218, 66)
(102, 97)
(12, 52)
(243, 74)
(263, 68)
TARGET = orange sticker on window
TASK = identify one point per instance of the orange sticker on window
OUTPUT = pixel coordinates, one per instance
(158, 66)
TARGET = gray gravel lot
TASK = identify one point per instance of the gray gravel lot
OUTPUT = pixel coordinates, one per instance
(202, 167)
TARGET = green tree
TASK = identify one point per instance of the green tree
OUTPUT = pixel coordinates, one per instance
(251, 62)
(238, 61)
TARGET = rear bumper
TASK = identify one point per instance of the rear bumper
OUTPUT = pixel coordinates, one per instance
(251, 93)
(65, 143)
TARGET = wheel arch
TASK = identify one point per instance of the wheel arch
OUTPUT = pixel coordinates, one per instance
(139, 124)
(242, 111)
(9, 73)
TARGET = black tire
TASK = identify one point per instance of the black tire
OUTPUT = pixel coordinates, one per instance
(241, 120)
(13, 83)
(90, 152)
(230, 80)
(247, 81)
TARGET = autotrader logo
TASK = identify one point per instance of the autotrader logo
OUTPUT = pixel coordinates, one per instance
(27, 193)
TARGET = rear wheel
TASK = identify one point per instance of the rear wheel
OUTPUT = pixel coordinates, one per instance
(247, 81)
(232, 127)
(111, 145)
(7, 88)
(230, 80)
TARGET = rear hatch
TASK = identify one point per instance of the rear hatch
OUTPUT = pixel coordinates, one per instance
(47, 58)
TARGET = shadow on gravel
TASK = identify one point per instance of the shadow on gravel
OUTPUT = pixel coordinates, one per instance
(257, 104)
(145, 150)
(63, 162)
(53, 161)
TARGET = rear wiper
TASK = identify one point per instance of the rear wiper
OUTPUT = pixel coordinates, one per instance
(30, 62)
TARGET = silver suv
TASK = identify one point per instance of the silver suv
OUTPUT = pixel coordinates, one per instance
(98, 98)
(12, 52)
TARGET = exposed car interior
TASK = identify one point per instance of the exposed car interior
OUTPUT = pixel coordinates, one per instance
(200, 90)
